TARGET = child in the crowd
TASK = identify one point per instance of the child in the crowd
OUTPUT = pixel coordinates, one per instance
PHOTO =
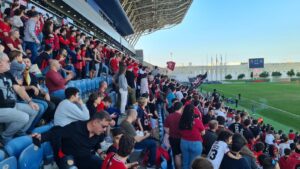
(220, 148)
(17, 66)
(201, 163)
(118, 160)
(117, 133)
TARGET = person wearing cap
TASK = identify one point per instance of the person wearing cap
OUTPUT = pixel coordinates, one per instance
(30, 39)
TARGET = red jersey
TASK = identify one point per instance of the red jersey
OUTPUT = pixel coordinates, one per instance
(9, 40)
(111, 162)
(114, 64)
(288, 162)
(56, 45)
(73, 42)
(195, 133)
(5, 29)
(78, 64)
(100, 107)
(172, 122)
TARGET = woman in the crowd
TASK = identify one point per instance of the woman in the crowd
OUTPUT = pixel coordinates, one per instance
(191, 130)
(143, 120)
(92, 103)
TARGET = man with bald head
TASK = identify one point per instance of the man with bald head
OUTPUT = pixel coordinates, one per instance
(54, 80)
(103, 87)
(142, 139)
(18, 117)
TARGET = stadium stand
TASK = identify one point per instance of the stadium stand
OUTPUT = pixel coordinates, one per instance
(164, 130)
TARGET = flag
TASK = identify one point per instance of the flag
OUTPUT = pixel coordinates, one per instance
(198, 80)
(171, 65)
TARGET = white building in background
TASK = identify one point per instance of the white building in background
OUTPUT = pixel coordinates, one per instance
(182, 73)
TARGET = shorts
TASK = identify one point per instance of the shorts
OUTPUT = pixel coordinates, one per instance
(175, 146)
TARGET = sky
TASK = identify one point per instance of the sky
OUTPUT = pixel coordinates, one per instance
(237, 29)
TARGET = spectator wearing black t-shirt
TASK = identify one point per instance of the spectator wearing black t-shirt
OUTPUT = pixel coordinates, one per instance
(247, 132)
(79, 139)
(255, 129)
(210, 136)
(233, 159)
(237, 127)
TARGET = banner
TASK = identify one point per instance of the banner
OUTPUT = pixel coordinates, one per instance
(171, 65)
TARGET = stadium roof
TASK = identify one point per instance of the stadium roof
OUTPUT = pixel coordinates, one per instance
(148, 16)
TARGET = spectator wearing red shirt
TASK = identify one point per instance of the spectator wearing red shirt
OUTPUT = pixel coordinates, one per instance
(258, 149)
(63, 41)
(191, 131)
(118, 160)
(13, 42)
(55, 82)
(72, 39)
(56, 45)
(287, 161)
(114, 63)
(173, 133)
(105, 103)
(292, 135)
(4, 28)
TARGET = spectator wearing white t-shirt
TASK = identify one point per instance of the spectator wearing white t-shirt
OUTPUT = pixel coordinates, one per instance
(179, 94)
(270, 138)
(219, 148)
(285, 144)
(219, 112)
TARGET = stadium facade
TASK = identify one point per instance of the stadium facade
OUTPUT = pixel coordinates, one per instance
(218, 73)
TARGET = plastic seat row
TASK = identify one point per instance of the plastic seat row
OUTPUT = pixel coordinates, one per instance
(87, 86)
(22, 154)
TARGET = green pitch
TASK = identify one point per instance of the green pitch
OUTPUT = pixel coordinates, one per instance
(277, 103)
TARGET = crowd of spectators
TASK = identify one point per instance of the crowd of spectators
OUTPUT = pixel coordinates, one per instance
(38, 58)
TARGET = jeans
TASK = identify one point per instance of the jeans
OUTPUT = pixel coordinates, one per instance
(150, 145)
(103, 67)
(189, 150)
(59, 94)
(16, 119)
(97, 65)
(124, 94)
(87, 69)
(33, 47)
(43, 105)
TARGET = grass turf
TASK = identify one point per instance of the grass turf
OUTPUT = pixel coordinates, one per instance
(278, 103)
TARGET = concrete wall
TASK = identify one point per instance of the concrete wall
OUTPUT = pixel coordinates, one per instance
(219, 72)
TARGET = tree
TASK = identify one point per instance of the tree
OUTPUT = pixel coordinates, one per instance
(276, 74)
(291, 73)
(264, 74)
(251, 74)
(298, 74)
(241, 76)
(228, 77)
